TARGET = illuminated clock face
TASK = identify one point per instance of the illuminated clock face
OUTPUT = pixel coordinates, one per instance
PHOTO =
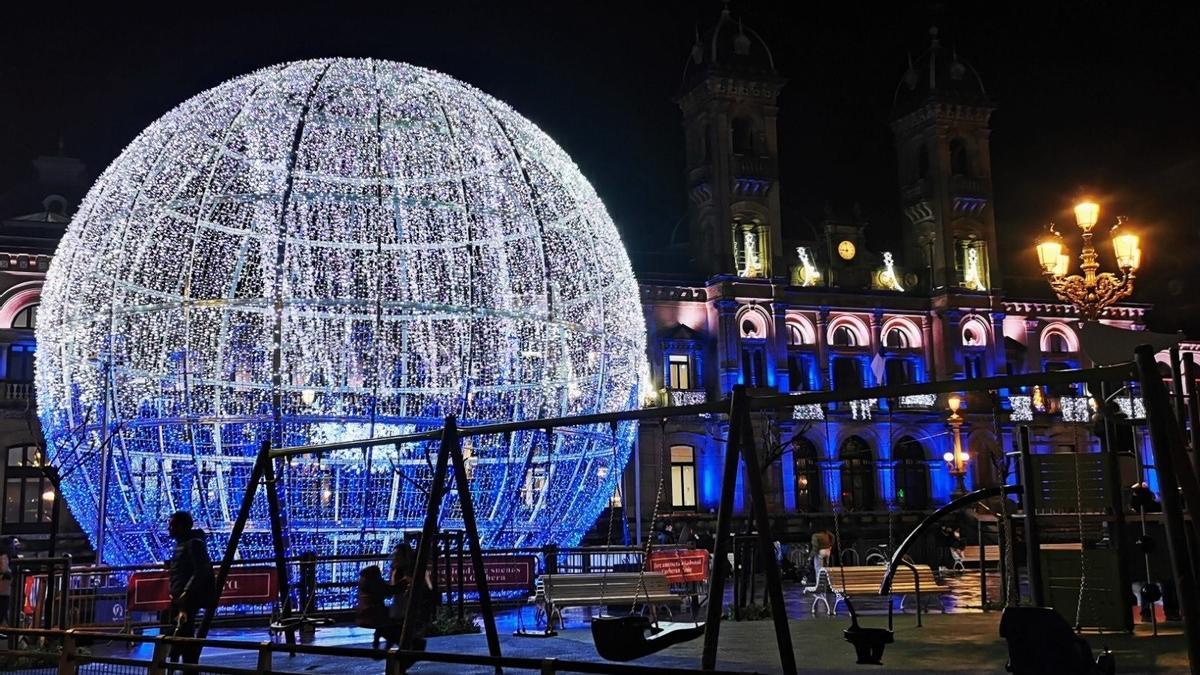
(846, 250)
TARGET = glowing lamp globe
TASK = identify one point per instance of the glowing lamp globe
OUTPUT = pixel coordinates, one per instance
(336, 250)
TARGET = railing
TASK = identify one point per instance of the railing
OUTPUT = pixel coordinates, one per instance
(97, 595)
(753, 167)
(70, 659)
(16, 391)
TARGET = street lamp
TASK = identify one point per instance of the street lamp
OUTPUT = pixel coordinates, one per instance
(1090, 292)
(956, 461)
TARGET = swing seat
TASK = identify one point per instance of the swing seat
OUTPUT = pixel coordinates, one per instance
(868, 643)
(623, 638)
(1041, 641)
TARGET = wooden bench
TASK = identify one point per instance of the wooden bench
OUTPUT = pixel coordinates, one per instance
(864, 581)
(970, 555)
(552, 592)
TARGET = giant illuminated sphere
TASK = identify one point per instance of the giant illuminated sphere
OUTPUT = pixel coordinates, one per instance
(335, 250)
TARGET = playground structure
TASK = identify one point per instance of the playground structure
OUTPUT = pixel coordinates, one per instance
(1172, 462)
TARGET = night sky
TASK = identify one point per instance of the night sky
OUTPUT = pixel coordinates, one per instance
(1094, 96)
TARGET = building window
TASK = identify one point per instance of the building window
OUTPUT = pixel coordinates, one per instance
(972, 365)
(899, 371)
(1057, 343)
(795, 336)
(28, 496)
(20, 362)
(912, 475)
(847, 373)
(26, 318)
(807, 475)
(680, 376)
(798, 372)
(754, 369)
(858, 475)
(683, 477)
(844, 337)
(896, 339)
(971, 262)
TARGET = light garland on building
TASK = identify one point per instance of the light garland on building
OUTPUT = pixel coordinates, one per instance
(918, 401)
(418, 248)
(1022, 408)
(809, 275)
(861, 410)
(808, 412)
(1135, 410)
(972, 275)
(887, 276)
(1075, 408)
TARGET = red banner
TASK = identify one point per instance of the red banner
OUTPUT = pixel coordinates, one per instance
(681, 566)
(151, 591)
(504, 572)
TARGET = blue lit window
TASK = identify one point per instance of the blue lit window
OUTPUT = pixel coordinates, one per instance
(912, 475)
(807, 475)
(858, 475)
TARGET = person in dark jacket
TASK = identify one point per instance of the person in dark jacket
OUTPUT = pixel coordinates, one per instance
(191, 581)
(371, 610)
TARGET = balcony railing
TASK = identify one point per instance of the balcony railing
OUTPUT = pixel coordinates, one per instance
(16, 391)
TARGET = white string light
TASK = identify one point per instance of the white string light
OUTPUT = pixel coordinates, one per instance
(421, 249)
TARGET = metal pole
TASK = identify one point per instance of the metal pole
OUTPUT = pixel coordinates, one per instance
(738, 415)
(637, 488)
(466, 504)
(1177, 389)
(1117, 525)
(1193, 401)
(105, 459)
(1033, 544)
(1158, 418)
(766, 547)
(427, 546)
(276, 519)
(239, 526)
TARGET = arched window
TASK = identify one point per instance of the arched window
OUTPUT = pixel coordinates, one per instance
(958, 157)
(743, 136)
(807, 474)
(896, 339)
(1057, 343)
(858, 475)
(912, 475)
(795, 335)
(26, 318)
(844, 337)
(971, 337)
(750, 329)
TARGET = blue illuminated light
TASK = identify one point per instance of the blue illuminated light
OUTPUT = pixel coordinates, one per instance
(336, 250)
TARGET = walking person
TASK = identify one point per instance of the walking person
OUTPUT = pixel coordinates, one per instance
(191, 581)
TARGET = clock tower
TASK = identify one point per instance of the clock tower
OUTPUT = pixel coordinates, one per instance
(940, 124)
(729, 112)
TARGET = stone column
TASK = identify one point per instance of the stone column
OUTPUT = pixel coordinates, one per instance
(874, 321)
(931, 372)
(779, 353)
(727, 344)
(951, 343)
(823, 349)
(998, 354)
(1033, 350)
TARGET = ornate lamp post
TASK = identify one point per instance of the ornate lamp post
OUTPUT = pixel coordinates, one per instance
(956, 461)
(1090, 292)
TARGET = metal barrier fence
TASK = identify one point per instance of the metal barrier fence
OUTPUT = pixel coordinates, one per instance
(97, 595)
(63, 656)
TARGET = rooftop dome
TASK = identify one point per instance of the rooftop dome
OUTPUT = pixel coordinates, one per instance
(334, 250)
(938, 74)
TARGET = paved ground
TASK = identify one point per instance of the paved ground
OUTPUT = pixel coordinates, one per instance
(963, 639)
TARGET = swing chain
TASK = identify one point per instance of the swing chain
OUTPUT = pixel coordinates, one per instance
(641, 585)
(1079, 520)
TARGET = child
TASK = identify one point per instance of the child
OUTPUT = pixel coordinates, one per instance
(372, 611)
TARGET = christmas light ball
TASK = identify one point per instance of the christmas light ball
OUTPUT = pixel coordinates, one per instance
(336, 250)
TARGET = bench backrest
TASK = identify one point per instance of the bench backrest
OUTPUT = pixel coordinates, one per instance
(561, 587)
(867, 577)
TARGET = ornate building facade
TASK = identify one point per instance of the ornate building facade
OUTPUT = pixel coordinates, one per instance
(783, 315)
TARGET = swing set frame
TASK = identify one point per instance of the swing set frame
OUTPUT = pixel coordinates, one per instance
(1166, 440)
